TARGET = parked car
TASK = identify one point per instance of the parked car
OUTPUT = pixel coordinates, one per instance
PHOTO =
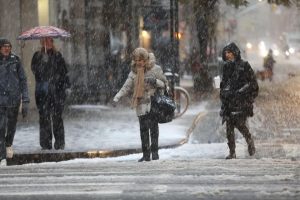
(293, 43)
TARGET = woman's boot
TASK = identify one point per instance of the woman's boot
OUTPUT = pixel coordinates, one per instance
(231, 151)
(231, 145)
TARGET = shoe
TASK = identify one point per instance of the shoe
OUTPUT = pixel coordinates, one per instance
(155, 156)
(3, 163)
(62, 147)
(9, 152)
(231, 156)
(143, 159)
(57, 147)
(46, 148)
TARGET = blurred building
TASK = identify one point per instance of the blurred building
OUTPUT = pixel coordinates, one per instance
(104, 33)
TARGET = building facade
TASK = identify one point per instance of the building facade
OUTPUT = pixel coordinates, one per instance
(104, 33)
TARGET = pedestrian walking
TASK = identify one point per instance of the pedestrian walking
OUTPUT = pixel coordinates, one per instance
(13, 92)
(269, 64)
(238, 89)
(143, 81)
(52, 86)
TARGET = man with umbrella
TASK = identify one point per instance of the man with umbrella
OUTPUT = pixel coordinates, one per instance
(49, 69)
(13, 90)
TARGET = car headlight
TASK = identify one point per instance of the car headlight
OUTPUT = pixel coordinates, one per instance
(292, 50)
(249, 45)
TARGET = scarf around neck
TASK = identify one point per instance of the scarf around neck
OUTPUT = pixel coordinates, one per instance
(138, 87)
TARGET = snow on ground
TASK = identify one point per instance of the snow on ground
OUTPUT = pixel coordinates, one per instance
(98, 127)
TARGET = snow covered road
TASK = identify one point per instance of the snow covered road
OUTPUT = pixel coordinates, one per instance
(164, 179)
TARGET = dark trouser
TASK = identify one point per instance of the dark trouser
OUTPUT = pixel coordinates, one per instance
(8, 122)
(240, 124)
(50, 121)
(147, 123)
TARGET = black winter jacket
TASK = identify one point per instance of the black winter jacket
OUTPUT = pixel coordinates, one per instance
(50, 73)
(13, 81)
(238, 87)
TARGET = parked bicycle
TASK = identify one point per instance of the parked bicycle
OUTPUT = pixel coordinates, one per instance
(179, 94)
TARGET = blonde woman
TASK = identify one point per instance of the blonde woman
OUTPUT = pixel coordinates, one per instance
(143, 81)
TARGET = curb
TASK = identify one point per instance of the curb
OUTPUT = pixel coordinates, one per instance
(20, 159)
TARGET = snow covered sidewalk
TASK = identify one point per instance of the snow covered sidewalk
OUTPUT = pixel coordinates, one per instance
(98, 131)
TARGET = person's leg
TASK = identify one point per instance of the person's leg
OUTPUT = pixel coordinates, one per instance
(45, 130)
(144, 132)
(45, 124)
(58, 128)
(230, 138)
(12, 117)
(3, 120)
(242, 127)
(154, 132)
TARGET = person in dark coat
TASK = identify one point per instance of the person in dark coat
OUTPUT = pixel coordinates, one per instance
(52, 83)
(269, 64)
(238, 89)
(13, 91)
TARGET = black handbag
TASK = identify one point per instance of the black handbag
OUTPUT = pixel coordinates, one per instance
(162, 107)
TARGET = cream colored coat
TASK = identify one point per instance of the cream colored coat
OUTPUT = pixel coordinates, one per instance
(144, 105)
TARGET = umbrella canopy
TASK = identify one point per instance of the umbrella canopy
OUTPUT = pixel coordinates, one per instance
(42, 32)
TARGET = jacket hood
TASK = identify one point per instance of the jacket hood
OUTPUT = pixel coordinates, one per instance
(232, 47)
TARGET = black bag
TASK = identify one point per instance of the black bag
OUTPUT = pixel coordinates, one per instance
(162, 107)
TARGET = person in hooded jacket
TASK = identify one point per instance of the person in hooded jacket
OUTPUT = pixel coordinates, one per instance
(238, 89)
(13, 92)
(144, 80)
(268, 64)
(52, 85)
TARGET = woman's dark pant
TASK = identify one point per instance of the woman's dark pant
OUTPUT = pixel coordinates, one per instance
(50, 121)
(8, 123)
(147, 123)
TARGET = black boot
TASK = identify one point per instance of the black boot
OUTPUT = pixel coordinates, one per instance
(144, 159)
(155, 155)
(232, 154)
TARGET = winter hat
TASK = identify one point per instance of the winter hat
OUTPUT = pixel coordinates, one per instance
(4, 41)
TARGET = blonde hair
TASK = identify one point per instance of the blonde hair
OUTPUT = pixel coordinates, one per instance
(140, 53)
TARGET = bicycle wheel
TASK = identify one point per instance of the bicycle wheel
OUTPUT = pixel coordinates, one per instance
(182, 100)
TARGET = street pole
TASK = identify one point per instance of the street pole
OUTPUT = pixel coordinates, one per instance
(176, 26)
(172, 44)
(87, 42)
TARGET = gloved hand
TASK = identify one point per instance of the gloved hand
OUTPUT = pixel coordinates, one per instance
(240, 93)
(114, 103)
(25, 108)
(221, 113)
(150, 81)
(226, 93)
